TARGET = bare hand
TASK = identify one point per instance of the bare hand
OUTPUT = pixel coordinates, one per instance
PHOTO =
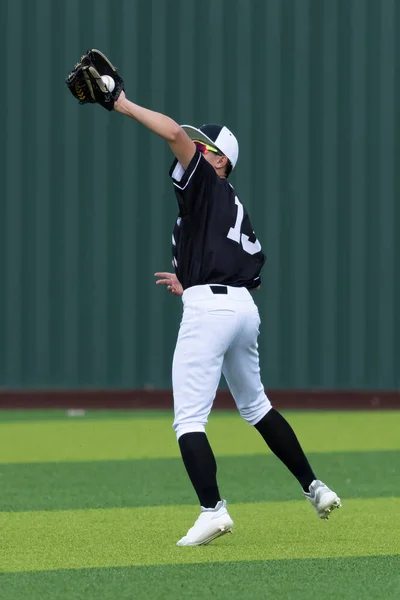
(171, 281)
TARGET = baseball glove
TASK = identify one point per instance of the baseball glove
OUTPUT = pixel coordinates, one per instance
(85, 82)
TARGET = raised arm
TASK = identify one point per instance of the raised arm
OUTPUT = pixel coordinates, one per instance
(178, 140)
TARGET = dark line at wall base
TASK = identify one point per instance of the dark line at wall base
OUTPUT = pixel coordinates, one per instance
(162, 399)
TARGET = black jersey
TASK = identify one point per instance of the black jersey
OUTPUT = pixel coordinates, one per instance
(213, 240)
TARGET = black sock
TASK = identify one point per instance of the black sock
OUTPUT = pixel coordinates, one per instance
(201, 467)
(283, 442)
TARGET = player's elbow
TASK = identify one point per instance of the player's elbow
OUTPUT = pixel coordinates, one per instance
(175, 132)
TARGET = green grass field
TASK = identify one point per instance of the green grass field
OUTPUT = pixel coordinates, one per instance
(92, 506)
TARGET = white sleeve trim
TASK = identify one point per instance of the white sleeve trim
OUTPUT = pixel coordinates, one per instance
(189, 178)
(178, 172)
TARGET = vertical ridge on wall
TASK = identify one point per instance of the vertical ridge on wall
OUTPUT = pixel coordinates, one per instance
(310, 88)
(51, 227)
(12, 357)
(40, 190)
(266, 134)
(318, 105)
(67, 283)
(286, 200)
(357, 188)
(327, 199)
(300, 148)
(157, 219)
(243, 117)
(387, 365)
(342, 241)
(124, 295)
(395, 326)
(102, 193)
(372, 207)
(3, 215)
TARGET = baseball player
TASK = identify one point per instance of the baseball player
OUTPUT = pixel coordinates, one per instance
(217, 262)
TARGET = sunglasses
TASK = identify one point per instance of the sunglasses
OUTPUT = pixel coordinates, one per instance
(204, 148)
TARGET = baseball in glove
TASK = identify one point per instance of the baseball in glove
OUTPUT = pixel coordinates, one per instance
(85, 82)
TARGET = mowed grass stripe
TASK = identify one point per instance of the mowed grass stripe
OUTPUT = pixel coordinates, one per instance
(57, 414)
(345, 578)
(153, 438)
(118, 484)
(124, 537)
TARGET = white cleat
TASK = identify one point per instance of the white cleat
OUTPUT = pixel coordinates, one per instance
(211, 523)
(322, 498)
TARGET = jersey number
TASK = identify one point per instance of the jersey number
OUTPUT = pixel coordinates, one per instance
(236, 235)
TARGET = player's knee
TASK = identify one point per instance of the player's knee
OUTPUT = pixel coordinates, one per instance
(190, 415)
(254, 411)
(194, 427)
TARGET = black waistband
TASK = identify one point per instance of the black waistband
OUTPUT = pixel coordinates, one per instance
(219, 289)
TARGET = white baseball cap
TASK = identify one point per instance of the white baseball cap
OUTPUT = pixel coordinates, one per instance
(218, 136)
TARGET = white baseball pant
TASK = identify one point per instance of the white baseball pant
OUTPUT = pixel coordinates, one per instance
(218, 334)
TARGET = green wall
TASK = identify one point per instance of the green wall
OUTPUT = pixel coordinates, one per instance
(312, 90)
